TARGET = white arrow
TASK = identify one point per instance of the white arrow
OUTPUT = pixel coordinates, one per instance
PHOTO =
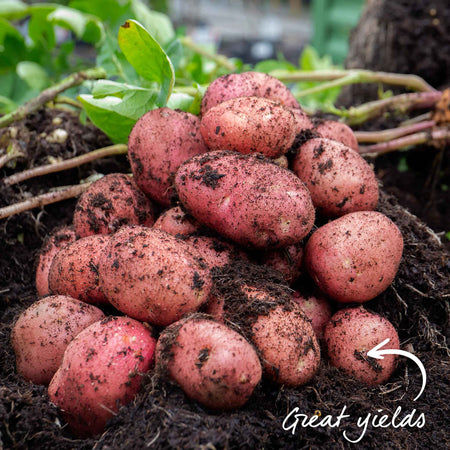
(378, 354)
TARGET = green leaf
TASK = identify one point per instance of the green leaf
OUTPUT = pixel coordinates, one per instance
(13, 9)
(6, 105)
(273, 64)
(147, 57)
(39, 28)
(12, 45)
(180, 101)
(33, 74)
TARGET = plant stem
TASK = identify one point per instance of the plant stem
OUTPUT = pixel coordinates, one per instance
(50, 93)
(5, 159)
(393, 133)
(221, 60)
(349, 79)
(118, 149)
(439, 134)
(62, 193)
(68, 101)
(412, 82)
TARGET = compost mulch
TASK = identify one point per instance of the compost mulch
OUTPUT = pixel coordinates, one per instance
(161, 416)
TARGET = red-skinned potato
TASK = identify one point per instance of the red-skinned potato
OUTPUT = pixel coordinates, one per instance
(354, 258)
(340, 180)
(247, 84)
(153, 276)
(102, 369)
(51, 246)
(249, 125)
(213, 364)
(246, 199)
(109, 203)
(337, 131)
(175, 221)
(302, 120)
(159, 142)
(42, 332)
(350, 334)
(74, 269)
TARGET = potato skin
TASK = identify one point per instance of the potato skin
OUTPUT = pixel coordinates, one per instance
(350, 334)
(246, 198)
(51, 246)
(159, 142)
(213, 364)
(247, 84)
(152, 276)
(249, 125)
(74, 269)
(102, 369)
(337, 131)
(175, 221)
(42, 332)
(109, 203)
(340, 180)
(356, 257)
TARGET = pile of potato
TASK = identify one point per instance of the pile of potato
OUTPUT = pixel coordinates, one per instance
(250, 187)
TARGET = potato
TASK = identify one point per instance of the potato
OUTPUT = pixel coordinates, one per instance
(152, 276)
(337, 131)
(51, 246)
(350, 334)
(176, 221)
(302, 120)
(42, 332)
(159, 142)
(340, 180)
(74, 269)
(354, 258)
(213, 364)
(102, 369)
(247, 84)
(317, 308)
(246, 199)
(249, 125)
(109, 203)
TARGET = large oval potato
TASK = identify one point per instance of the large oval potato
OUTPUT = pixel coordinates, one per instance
(337, 131)
(42, 332)
(246, 198)
(159, 142)
(339, 179)
(152, 276)
(212, 363)
(354, 258)
(247, 84)
(102, 369)
(249, 125)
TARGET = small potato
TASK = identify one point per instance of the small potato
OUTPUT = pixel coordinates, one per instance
(102, 369)
(246, 199)
(340, 180)
(213, 364)
(350, 334)
(74, 270)
(354, 258)
(152, 276)
(249, 125)
(42, 332)
(51, 246)
(109, 203)
(337, 131)
(247, 84)
(317, 308)
(175, 221)
(159, 142)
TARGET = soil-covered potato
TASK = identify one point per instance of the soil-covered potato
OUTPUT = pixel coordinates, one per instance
(102, 369)
(51, 246)
(249, 125)
(356, 257)
(109, 203)
(42, 332)
(247, 84)
(159, 142)
(74, 269)
(350, 334)
(339, 179)
(176, 221)
(246, 198)
(153, 276)
(213, 364)
(337, 131)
